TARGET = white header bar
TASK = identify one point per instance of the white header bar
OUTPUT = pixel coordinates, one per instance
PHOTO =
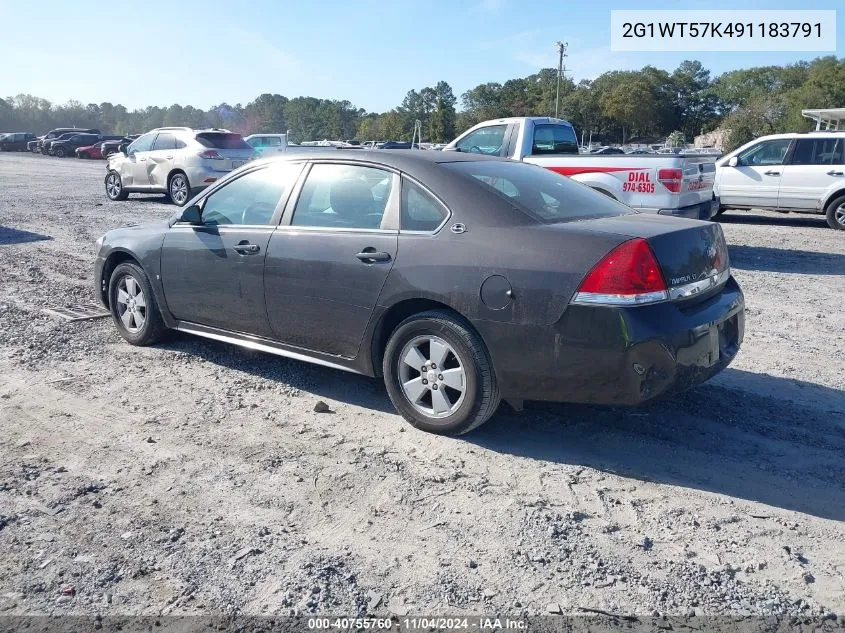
(699, 30)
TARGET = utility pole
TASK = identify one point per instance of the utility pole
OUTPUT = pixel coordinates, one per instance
(561, 48)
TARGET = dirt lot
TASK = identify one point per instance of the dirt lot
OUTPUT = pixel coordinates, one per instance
(193, 477)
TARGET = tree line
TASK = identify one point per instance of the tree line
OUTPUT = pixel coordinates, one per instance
(615, 107)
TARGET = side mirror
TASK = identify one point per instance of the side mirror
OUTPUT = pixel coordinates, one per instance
(122, 148)
(733, 161)
(192, 215)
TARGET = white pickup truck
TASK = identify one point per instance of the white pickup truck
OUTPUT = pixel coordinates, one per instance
(665, 184)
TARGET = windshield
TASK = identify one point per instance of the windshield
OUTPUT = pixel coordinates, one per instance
(222, 140)
(542, 194)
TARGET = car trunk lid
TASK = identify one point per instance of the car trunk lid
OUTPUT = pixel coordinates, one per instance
(692, 255)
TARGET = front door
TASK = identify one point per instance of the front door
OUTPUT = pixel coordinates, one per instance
(815, 167)
(213, 274)
(755, 180)
(325, 269)
(135, 166)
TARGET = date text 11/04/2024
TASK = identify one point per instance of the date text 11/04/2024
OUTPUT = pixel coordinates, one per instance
(720, 29)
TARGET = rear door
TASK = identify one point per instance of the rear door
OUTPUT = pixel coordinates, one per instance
(755, 180)
(160, 159)
(816, 165)
(327, 263)
(213, 274)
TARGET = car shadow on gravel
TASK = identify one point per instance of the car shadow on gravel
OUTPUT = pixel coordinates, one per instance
(8, 235)
(731, 437)
(809, 221)
(779, 260)
(751, 436)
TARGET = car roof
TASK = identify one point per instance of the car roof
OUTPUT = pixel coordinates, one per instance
(401, 159)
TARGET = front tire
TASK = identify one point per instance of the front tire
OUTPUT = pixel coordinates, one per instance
(439, 375)
(836, 214)
(114, 187)
(133, 306)
(179, 189)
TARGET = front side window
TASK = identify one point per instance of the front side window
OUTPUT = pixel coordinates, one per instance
(542, 194)
(420, 211)
(554, 139)
(142, 144)
(486, 140)
(765, 153)
(272, 141)
(818, 151)
(252, 198)
(343, 196)
(164, 141)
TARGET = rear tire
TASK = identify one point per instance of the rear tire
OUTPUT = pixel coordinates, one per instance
(450, 399)
(836, 214)
(179, 189)
(60, 152)
(133, 306)
(114, 187)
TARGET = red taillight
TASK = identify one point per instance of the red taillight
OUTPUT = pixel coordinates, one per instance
(671, 179)
(628, 275)
(210, 153)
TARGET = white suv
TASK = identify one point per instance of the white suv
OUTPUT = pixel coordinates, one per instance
(177, 161)
(802, 173)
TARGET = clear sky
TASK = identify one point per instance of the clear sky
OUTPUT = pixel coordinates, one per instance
(371, 52)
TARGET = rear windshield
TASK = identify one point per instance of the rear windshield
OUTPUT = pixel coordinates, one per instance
(550, 138)
(542, 194)
(222, 140)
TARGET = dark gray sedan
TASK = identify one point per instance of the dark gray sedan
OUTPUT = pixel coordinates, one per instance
(462, 280)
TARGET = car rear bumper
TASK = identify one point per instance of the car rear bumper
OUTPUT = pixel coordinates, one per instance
(619, 356)
(701, 211)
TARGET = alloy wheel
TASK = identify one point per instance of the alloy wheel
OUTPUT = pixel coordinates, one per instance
(179, 189)
(839, 214)
(432, 376)
(131, 304)
(113, 186)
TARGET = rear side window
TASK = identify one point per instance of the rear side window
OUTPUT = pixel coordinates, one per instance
(420, 211)
(343, 196)
(554, 139)
(540, 193)
(164, 141)
(221, 140)
(818, 151)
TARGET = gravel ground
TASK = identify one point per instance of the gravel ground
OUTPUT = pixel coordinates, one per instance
(193, 477)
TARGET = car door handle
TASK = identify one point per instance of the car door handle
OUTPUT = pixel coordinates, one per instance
(245, 248)
(772, 173)
(833, 172)
(168, 157)
(371, 255)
